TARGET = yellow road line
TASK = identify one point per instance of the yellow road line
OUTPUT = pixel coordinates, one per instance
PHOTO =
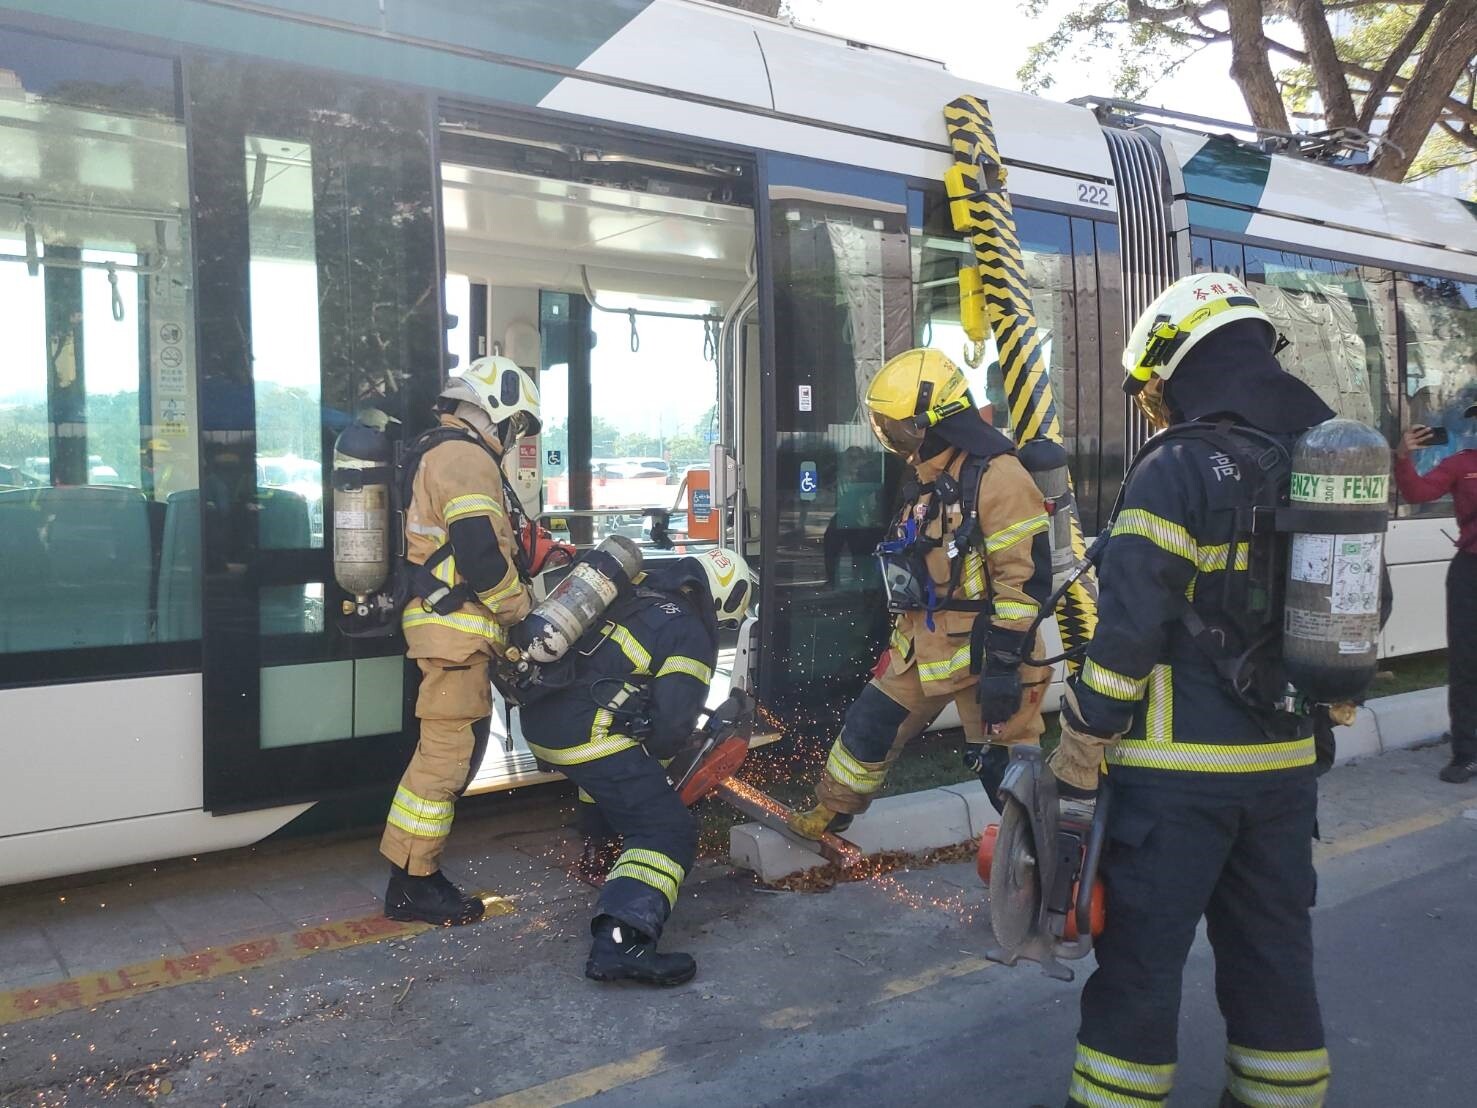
(1378, 836)
(586, 1083)
(790, 1019)
(89, 990)
(903, 986)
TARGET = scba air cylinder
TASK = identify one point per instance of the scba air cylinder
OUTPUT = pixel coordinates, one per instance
(1340, 500)
(578, 602)
(361, 509)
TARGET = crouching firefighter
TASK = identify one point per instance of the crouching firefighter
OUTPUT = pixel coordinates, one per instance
(463, 587)
(966, 570)
(1185, 688)
(621, 702)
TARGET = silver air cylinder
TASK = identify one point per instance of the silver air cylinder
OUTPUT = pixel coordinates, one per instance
(361, 509)
(1046, 462)
(1341, 495)
(579, 601)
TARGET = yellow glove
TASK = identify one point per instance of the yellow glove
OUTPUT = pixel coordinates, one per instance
(1078, 758)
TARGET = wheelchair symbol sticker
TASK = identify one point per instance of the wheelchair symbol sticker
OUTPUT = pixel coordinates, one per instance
(810, 481)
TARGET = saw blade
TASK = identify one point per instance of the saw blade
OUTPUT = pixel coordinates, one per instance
(1015, 879)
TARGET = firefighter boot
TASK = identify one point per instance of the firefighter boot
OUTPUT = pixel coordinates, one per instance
(1463, 764)
(621, 953)
(819, 821)
(431, 899)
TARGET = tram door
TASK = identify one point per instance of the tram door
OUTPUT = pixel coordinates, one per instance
(317, 300)
(620, 272)
(840, 260)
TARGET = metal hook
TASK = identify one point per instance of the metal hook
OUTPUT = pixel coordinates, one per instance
(113, 287)
(974, 353)
(635, 338)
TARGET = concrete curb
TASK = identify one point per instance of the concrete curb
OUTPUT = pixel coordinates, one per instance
(954, 814)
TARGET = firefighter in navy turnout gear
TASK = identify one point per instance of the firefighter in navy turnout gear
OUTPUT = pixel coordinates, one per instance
(466, 588)
(1214, 793)
(623, 701)
(966, 570)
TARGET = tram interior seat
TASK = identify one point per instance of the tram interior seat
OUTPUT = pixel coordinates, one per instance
(282, 524)
(77, 567)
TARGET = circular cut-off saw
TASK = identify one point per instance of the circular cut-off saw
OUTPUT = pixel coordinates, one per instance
(1045, 900)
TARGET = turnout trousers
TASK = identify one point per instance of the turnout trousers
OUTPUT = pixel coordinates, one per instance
(454, 707)
(893, 710)
(1243, 859)
(1461, 651)
(633, 799)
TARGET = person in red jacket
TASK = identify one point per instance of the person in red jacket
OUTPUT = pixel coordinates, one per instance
(1456, 475)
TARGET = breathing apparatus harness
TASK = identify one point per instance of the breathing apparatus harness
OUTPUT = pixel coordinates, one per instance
(910, 586)
(1244, 640)
(418, 581)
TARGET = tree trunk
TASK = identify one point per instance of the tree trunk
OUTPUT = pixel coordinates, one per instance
(1449, 50)
(1333, 87)
(1381, 82)
(1251, 68)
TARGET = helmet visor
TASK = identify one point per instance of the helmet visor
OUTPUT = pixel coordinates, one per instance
(897, 435)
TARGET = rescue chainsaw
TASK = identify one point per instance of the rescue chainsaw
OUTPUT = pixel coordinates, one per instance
(708, 767)
(1045, 900)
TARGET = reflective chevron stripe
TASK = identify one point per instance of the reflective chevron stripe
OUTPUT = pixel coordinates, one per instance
(1277, 1079)
(1159, 718)
(1015, 609)
(946, 668)
(1102, 1081)
(635, 653)
(1003, 540)
(1212, 758)
(844, 767)
(468, 622)
(1101, 679)
(1163, 533)
(676, 663)
(415, 815)
(470, 504)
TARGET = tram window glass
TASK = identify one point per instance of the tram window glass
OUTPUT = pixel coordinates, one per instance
(842, 308)
(285, 335)
(1438, 332)
(98, 431)
(1061, 272)
(654, 403)
(1338, 318)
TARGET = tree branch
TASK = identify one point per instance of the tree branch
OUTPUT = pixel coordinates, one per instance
(1379, 85)
(1251, 67)
(1328, 71)
(1464, 135)
(1452, 45)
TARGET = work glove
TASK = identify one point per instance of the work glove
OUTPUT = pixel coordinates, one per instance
(1078, 758)
(999, 689)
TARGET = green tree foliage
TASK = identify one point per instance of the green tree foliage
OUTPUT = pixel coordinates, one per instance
(1406, 69)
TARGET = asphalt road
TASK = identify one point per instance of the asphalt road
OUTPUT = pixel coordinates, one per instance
(874, 993)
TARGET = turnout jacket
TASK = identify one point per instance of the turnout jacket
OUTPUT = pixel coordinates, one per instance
(641, 678)
(1009, 566)
(457, 497)
(1143, 675)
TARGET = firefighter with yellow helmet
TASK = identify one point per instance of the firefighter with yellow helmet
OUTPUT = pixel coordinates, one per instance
(1214, 787)
(467, 588)
(967, 568)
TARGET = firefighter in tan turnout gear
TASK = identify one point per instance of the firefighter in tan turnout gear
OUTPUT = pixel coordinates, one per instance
(966, 570)
(466, 590)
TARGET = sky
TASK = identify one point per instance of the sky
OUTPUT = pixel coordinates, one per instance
(1202, 86)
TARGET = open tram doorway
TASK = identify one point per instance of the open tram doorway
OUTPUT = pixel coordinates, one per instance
(622, 274)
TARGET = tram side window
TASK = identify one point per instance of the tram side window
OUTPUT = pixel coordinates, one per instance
(1438, 333)
(98, 430)
(1060, 271)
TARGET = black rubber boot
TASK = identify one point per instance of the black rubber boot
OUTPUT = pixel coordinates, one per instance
(431, 899)
(989, 764)
(621, 953)
(1463, 765)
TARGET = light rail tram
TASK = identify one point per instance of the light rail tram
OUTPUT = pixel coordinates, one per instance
(227, 227)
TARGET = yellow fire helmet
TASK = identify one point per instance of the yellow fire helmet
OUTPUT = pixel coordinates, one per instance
(730, 582)
(1181, 316)
(504, 392)
(911, 393)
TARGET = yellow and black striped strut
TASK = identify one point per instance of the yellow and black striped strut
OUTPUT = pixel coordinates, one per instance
(980, 207)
